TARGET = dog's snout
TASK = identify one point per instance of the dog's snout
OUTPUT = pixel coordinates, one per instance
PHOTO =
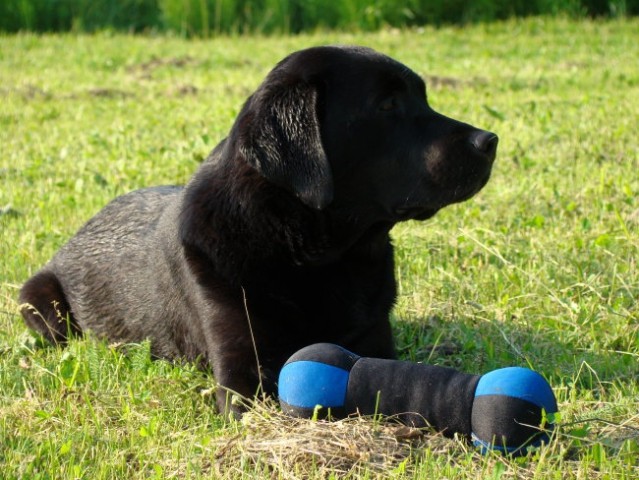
(485, 142)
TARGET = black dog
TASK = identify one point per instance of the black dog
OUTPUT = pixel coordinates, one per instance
(281, 239)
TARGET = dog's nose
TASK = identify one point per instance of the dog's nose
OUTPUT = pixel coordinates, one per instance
(485, 142)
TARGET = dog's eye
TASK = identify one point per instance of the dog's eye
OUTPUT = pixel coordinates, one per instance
(387, 105)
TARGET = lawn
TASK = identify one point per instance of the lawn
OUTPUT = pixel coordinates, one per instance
(539, 270)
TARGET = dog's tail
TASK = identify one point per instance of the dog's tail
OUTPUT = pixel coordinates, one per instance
(45, 308)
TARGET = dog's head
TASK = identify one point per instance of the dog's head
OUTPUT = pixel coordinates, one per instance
(346, 129)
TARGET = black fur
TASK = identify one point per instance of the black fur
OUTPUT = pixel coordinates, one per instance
(286, 225)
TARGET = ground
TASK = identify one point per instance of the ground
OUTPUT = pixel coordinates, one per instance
(539, 270)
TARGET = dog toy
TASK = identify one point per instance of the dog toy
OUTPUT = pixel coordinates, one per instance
(502, 410)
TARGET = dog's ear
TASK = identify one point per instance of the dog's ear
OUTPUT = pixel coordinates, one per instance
(279, 135)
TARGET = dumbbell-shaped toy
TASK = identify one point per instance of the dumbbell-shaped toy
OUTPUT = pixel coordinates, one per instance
(502, 410)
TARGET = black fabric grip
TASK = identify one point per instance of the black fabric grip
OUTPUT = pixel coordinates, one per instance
(327, 353)
(330, 413)
(492, 420)
(417, 394)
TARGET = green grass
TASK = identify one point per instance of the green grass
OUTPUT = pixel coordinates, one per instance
(539, 270)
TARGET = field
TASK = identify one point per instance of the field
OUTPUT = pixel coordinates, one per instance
(539, 270)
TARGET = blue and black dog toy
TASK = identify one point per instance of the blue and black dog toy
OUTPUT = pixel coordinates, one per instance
(502, 410)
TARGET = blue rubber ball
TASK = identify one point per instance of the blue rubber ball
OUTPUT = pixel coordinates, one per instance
(508, 410)
(316, 375)
(307, 384)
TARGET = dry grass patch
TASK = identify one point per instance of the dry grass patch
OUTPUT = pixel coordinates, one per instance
(294, 448)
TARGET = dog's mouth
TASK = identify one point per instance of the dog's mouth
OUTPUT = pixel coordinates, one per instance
(424, 212)
(415, 213)
(462, 194)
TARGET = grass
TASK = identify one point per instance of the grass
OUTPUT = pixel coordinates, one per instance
(539, 270)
